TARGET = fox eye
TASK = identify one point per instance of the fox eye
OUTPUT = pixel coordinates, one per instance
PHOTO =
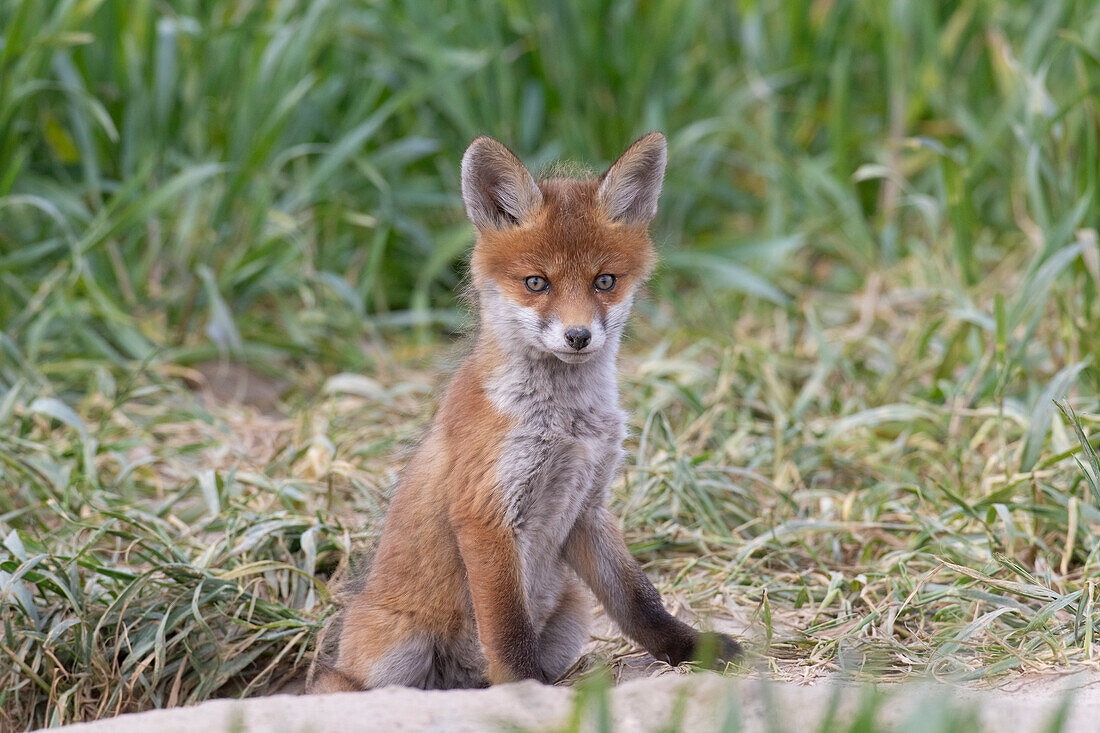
(536, 284)
(605, 282)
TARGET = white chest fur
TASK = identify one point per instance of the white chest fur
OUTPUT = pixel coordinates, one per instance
(558, 459)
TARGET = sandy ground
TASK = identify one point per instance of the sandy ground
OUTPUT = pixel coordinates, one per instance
(639, 705)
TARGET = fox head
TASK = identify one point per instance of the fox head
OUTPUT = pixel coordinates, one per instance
(557, 261)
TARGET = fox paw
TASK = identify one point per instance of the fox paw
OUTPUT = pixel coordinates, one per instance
(716, 650)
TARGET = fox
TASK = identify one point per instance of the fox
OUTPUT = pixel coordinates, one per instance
(501, 519)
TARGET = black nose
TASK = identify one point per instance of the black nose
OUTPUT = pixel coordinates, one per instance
(578, 337)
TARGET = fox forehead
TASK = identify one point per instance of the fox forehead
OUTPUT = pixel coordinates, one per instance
(569, 242)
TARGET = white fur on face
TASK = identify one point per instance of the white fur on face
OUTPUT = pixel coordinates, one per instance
(518, 327)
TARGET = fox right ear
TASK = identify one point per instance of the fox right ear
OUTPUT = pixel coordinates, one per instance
(630, 187)
(498, 191)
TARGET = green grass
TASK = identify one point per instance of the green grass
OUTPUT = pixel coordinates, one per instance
(864, 387)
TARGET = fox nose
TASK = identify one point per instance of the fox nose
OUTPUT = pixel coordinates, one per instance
(578, 337)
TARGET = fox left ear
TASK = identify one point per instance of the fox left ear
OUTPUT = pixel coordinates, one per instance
(498, 191)
(630, 187)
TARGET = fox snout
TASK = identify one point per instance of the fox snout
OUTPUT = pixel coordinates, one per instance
(575, 329)
(573, 339)
(577, 337)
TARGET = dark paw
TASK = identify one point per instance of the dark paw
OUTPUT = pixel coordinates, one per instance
(714, 650)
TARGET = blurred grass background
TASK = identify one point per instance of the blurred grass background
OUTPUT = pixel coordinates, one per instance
(880, 269)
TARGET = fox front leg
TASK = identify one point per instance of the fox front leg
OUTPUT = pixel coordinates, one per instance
(596, 551)
(504, 626)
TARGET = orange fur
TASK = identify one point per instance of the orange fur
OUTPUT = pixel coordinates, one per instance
(449, 479)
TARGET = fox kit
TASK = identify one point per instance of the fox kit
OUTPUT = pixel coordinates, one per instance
(501, 518)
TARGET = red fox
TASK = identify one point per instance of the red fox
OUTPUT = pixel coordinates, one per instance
(501, 517)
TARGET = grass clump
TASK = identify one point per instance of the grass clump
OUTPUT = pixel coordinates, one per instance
(864, 387)
(133, 577)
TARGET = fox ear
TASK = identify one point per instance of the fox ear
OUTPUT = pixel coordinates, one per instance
(498, 191)
(630, 187)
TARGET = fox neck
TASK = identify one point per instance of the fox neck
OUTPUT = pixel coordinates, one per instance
(524, 383)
